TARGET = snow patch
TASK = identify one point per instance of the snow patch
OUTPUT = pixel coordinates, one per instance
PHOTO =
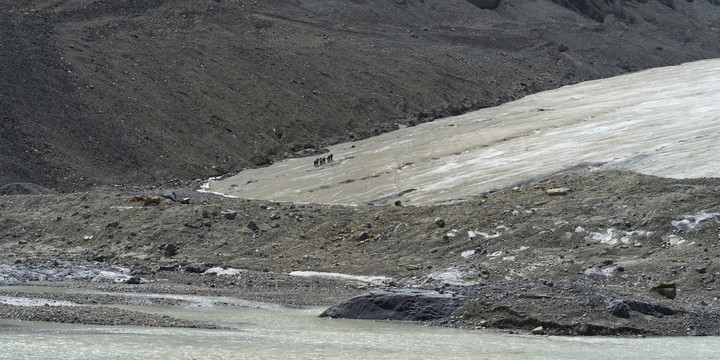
(474, 234)
(124, 208)
(498, 230)
(458, 276)
(220, 271)
(376, 280)
(495, 254)
(673, 239)
(21, 301)
(614, 237)
(626, 128)
(690, 222)
(607, 272)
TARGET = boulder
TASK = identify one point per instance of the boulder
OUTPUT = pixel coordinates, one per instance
(99, 257)
(397, 304)
(667, 289)
(619, 309)
(558, 191)
(440, 222)
(170, 250)
(169, 194)
(197, 268)
(134, 280)
(253, 226)
(655, 310)
(228, 214)
(702, 268)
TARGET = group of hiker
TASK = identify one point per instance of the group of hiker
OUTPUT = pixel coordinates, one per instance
(323, 160)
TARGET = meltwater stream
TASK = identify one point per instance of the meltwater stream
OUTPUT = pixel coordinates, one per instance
(272, 332)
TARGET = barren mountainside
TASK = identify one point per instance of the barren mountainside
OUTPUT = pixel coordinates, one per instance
(146, 97)
(98, 93)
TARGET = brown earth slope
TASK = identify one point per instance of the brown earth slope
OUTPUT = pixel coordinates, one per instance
(95, 93)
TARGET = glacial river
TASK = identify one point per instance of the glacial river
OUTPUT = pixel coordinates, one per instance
(265, 331)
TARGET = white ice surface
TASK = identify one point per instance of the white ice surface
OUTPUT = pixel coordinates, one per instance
(663, 122)
(367, 279)
(22, 301)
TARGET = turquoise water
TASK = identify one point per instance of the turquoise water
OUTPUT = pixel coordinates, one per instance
(280, 333)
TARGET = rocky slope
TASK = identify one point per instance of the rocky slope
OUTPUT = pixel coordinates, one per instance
(97, 93)
(578, 261)
(110, 98)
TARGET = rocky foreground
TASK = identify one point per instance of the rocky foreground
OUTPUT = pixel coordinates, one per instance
(594, 253)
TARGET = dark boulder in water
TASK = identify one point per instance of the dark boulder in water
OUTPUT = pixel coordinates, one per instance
(399, 304)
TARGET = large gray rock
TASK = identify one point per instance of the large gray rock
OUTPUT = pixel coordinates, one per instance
(253, 226)
(197, 268)
(398, 304)
(228, 214)
(169, 194)
(619, 308)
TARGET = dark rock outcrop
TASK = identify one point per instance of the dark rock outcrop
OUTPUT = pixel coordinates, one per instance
(399, 304)
(253, 226)
(197, 268)
(485, 4)
(169, 194)
(228, 214)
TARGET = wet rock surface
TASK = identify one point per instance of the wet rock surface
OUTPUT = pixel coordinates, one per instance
(397, 304)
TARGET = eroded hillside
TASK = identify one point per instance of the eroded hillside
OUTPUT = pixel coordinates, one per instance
(96, 93)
